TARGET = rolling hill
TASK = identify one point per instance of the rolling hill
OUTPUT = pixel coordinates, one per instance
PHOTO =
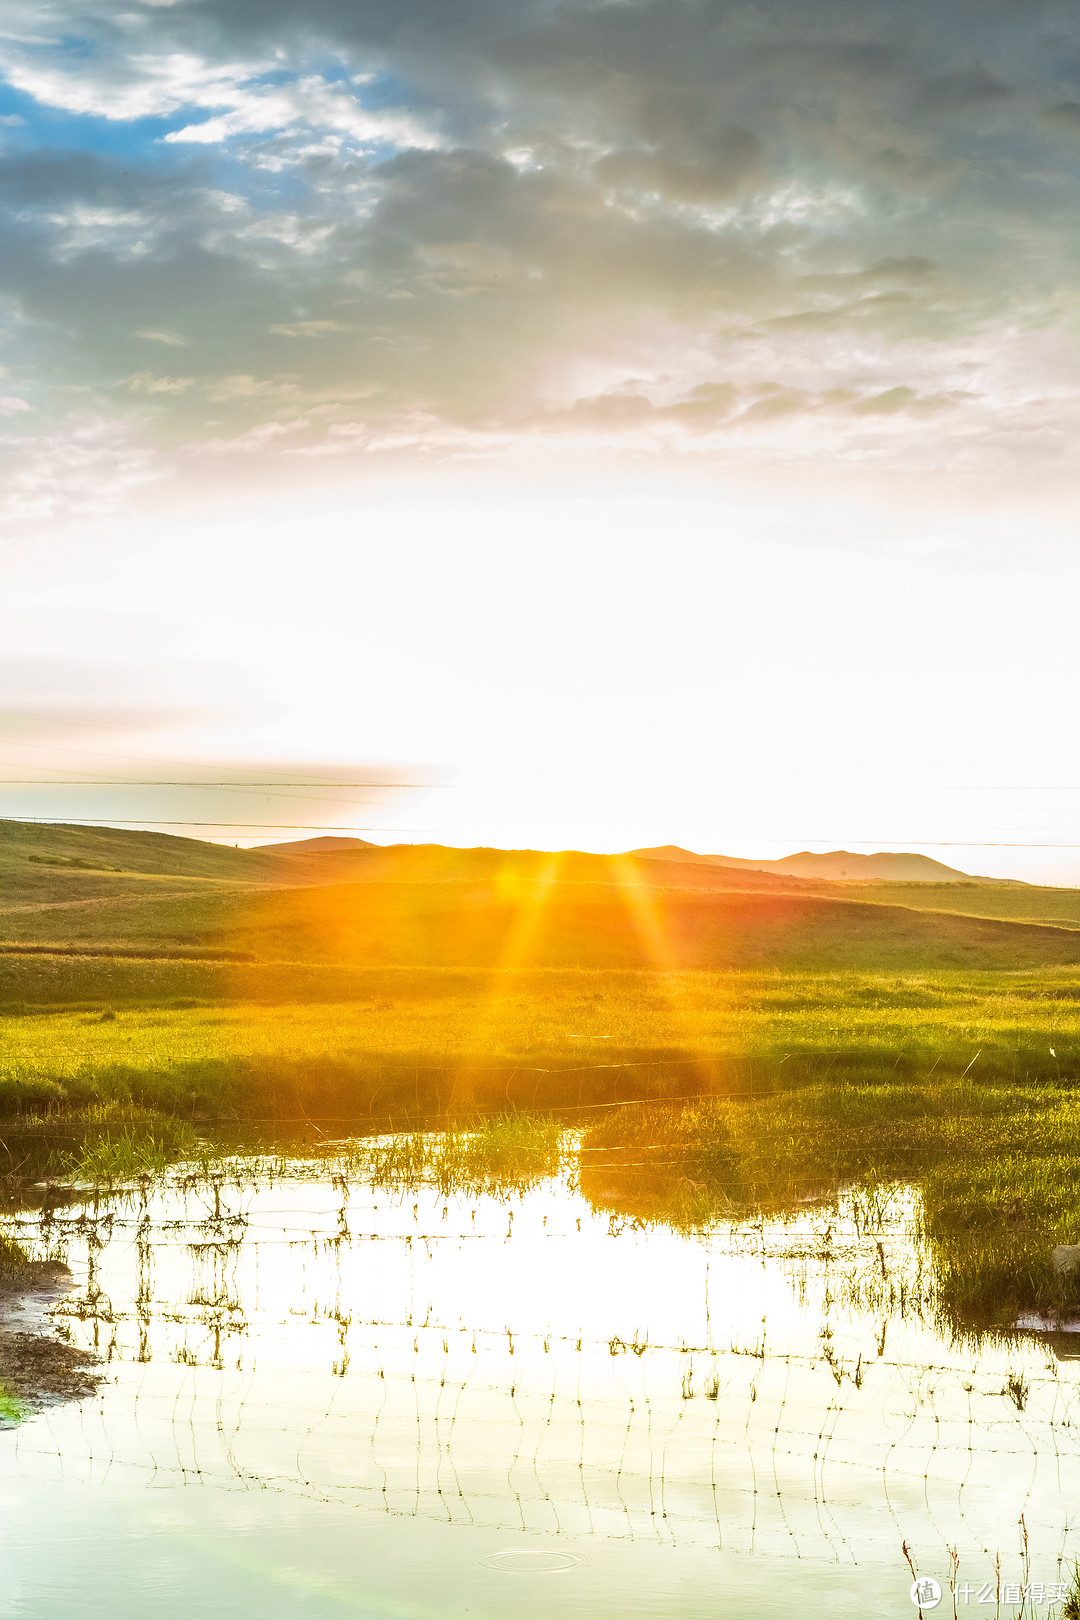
(70, 888)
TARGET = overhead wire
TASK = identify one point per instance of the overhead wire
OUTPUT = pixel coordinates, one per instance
(282, 826)
(124, 782)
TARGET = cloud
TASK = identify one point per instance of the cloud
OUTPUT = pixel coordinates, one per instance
(465, 224)
(956, 92)
(308, 328)
(1063, 117)
(77, 469)
(145, 382)
(900, 398)
(171, 338)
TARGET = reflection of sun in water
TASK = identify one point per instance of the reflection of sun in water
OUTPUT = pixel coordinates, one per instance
(549, 1385)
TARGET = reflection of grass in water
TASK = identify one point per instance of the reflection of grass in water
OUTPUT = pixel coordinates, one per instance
(14, 1262)
(998, 1169)
(510, 1153)
(1017, 1389)
(830, 1069)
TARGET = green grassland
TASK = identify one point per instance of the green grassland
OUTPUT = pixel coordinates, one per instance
(434, 1038)
(478, 924)
(721, 1038)
(697, 1093)
(997, 1167)
(430, 905)
(1060, 908)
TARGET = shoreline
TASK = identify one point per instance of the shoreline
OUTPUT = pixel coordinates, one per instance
(37, 1367)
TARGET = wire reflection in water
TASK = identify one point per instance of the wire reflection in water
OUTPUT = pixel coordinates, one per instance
(538, 1368)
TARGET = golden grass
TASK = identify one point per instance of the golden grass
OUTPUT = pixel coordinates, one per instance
(964, 1083)
(734, 1031)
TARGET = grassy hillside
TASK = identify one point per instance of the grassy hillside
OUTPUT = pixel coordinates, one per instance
(562, 925)
(29, 849)
(809, 1032)
(431, 905)
(1059, 908)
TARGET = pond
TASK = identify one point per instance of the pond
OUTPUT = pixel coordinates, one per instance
(323, 1398)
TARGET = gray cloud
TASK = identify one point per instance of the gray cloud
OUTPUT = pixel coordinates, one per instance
(436, 220)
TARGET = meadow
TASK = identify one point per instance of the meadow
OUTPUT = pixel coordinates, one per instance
(677, 1096)
(686, 1043)
(106, 890)
(429, 1040)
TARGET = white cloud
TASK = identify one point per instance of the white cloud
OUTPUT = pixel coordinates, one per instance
(144, 85)
(171, 338)
(145, 382)
(84, 468)
(308, 328)
(310, 101)
(123, 232)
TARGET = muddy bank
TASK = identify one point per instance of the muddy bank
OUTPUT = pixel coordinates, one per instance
(37, 1367)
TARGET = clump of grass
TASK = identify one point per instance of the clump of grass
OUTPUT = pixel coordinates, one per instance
(992, 1220)
(998, 1169)
(509, 1153)
(12, 1410)
(14, 1262)
(119, 1142)
(107, 1141)
(1071, 1608)
(118, 1158)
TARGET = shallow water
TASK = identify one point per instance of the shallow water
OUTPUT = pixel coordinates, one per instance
(325, 1400)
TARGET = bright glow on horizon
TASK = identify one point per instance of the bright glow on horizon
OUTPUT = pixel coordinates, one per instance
(649, 423)
(576, 668)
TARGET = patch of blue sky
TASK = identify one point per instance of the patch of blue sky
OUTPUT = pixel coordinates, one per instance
(52, 127)
(264, 190)
(335, 70)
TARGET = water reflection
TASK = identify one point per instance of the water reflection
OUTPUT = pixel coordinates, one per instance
(618, 1418)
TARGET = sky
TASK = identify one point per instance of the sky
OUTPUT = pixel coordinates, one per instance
(552, 424)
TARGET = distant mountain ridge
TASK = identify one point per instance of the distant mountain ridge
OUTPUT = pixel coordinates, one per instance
(839, 865)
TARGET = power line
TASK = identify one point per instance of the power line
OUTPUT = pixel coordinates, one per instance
(282, 826)
(35, 781)
(236, 826)
(39, 781)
